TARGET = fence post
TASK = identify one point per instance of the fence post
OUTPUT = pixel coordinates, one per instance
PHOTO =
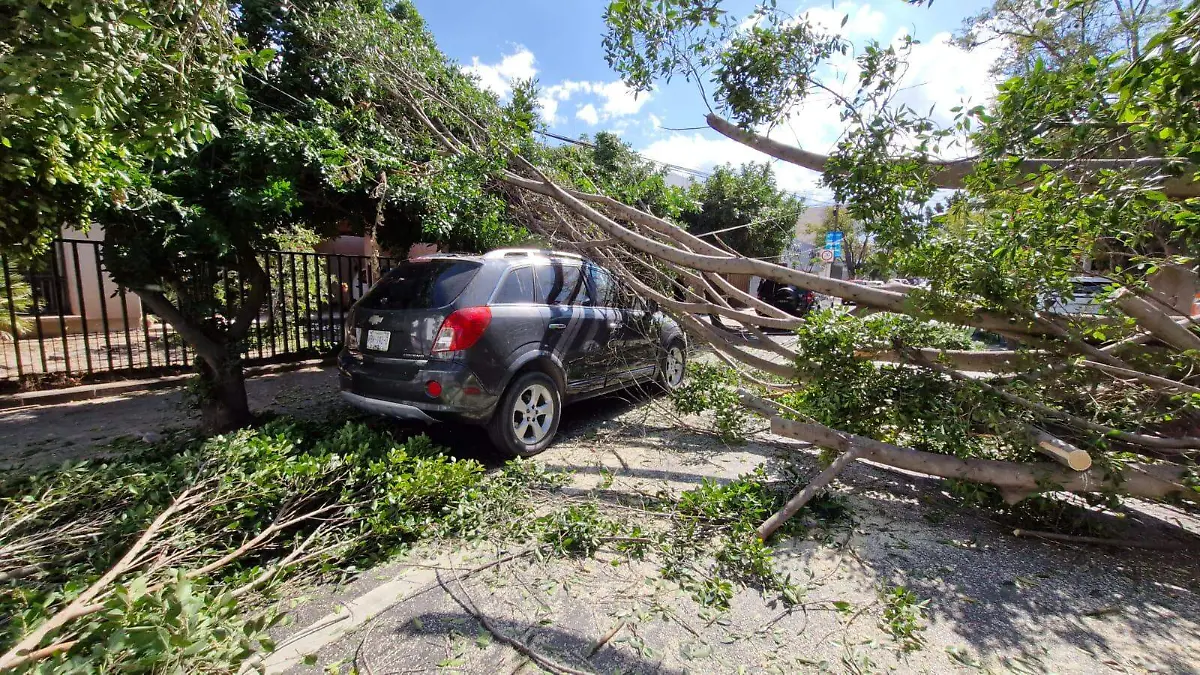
(283, 305)
(83, 320)
(320, 292)
(12, 313)
(108, 350)
(125, 319)
(307, 303)
(37, 318)
(56, 288)
(295, 299)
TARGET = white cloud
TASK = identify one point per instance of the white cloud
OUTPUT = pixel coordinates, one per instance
(498, 77)
(619, 100)
(861, 20)
(614, 98)
(932, 82)
(588, 114)
(655, 122)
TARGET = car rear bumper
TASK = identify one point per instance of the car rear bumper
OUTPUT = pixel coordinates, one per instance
(397, 388)
(402, 411)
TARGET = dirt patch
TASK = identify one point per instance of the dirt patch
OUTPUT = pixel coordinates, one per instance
(47, 435)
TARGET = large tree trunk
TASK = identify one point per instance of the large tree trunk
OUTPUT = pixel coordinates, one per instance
(223, 402)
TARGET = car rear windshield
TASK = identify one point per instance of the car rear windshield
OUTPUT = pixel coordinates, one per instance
(426, 284)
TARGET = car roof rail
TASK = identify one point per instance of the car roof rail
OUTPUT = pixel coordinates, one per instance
(530, 253)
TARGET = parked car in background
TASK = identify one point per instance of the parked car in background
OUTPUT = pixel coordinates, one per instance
(503, 340)
(794, 301)
(1082, 300)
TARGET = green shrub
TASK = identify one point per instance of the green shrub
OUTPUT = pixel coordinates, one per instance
(368, 495)
(710, 387)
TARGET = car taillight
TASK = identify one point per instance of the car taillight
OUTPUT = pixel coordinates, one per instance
(462, 329)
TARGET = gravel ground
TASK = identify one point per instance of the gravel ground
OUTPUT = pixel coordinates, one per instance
(996, 602)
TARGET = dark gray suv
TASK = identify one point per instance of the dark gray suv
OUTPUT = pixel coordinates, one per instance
(502, 340)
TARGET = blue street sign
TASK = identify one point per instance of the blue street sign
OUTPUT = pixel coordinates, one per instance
(833, 242)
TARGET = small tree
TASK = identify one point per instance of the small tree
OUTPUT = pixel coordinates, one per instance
(857, 242)
(267, 135)
(744, 210)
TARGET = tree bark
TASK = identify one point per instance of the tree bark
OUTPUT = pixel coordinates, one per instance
(814, 486)
(1139, 480)
(952, 174)
(222, 383)
(1157, 322)
(982, 361)
(224, 406)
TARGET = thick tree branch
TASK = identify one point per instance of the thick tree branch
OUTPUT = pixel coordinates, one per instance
(1157, 322)
(952, 174)
(255, 295)
(1149, 481)
(207, 346)
(1174, 445)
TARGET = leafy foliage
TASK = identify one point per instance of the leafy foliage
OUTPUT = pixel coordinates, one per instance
(1090, 81)
(1058, 33)
(721, 520)
(745, 209)
(709, 387)
(93, 91)
(610, 166)
(374, 494)
(903, 613)
(576, 530)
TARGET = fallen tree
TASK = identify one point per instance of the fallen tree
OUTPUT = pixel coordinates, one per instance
(1061, 374)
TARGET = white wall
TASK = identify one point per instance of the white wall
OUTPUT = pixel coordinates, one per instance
(93, 301)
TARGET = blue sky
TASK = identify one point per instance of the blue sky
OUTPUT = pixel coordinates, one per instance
(559, 43)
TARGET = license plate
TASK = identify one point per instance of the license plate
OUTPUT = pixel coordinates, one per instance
(378, 340)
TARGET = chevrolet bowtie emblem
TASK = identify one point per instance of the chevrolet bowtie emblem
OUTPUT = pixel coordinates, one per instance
(375, 320)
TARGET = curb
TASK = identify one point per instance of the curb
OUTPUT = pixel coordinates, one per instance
(105, 389)
(346, 617)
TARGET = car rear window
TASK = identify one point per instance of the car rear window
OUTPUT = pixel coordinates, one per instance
(425, 284)
(560, 285)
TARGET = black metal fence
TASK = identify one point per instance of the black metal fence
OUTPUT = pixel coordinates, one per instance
(63, 319)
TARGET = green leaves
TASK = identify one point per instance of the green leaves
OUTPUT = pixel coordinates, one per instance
(375, 493)
(752, 215)
(93, 91)
(127, 19)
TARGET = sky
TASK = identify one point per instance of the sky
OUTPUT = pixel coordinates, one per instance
(558, 42)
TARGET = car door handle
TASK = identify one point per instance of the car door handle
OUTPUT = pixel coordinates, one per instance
(557, 326)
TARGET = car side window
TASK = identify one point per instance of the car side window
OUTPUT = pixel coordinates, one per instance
(517, 288)
(560, 285)
(602, 287)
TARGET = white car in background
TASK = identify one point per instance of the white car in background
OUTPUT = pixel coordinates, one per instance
(1084, 299)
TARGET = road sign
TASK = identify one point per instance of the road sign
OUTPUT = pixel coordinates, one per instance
(833, 244)
(826, 255)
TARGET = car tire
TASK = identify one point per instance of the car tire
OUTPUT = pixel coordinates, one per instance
(673, 368)
(516, 428)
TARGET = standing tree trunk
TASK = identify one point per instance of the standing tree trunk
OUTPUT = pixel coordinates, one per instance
(224, 405)
(380, 194)
(222, 382)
